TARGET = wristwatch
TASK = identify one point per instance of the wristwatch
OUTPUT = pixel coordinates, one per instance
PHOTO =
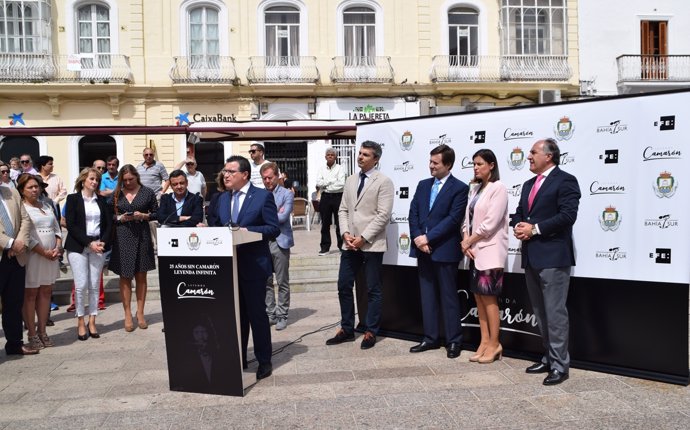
(534, 230)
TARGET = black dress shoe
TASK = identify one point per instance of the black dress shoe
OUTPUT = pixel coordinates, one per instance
(22, 350)
(368, 341)
(424, 346)
(264, 371)
(538, 368)
(341, 337)
(555, 377)
(453, 350)
(94, 334)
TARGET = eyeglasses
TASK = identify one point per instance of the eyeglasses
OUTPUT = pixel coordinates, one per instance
(189, 164)
(148, 155)
(252, 151)
(100, 168)
(3, 171)
(229, 172)
(25, 161)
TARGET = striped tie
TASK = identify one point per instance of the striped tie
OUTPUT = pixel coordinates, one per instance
(5, 218)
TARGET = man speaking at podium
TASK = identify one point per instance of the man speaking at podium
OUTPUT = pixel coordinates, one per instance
(181, 208)
(241, 204)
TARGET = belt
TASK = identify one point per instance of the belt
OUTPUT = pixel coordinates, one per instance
(328, 192)
(93, 238)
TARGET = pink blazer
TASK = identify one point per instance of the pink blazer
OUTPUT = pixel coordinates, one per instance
(491, 222)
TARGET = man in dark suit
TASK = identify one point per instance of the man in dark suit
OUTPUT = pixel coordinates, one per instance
(181, 207)
(15, 225)
(544, 222)
(243, 205)
(436, 213)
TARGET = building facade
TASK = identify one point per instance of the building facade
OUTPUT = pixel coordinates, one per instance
(162, 62)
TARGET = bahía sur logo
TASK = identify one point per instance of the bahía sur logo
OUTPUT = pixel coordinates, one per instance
(612, 254)
(662, 222)
(665, 185)
(610, 219)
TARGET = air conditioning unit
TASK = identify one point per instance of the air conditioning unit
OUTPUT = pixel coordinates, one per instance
(549, 96)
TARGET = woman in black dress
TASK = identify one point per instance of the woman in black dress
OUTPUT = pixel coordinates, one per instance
(134, 205)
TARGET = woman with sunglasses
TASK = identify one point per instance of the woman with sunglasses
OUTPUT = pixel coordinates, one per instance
(5, 180)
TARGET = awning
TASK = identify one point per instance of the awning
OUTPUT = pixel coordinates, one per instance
(210, 131)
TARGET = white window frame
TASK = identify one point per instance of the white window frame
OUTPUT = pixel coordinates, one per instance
(71, 8)
(223, 25)
(508, 39)
(482, 32)
(303, 24)
(340, 24)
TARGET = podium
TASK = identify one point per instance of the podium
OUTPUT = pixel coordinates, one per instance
(201, 311)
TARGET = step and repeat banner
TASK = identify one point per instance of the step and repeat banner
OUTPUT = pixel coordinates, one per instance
(632, 236)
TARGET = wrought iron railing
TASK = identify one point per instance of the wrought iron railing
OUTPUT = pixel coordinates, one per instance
(94, 68)
(362, 70)
(493, 68)
(204, 69)
(653, 68)
(284, 70)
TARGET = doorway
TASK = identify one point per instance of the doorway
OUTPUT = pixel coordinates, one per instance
(291, 158)
(654, 50)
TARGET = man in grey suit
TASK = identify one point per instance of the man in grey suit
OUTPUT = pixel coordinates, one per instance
(15, 225)
(364, 213)
(544, 222)
(280, 248)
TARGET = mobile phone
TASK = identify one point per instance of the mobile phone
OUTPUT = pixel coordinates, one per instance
(128, 213)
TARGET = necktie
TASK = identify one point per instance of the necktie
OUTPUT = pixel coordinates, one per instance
(362, 177)
(5, 218)
(533, 191)
(434, 192)
(235, 211)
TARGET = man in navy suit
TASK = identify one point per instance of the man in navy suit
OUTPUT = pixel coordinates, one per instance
(243, 205)
(436, 214)
(544, 222)
(181, 207)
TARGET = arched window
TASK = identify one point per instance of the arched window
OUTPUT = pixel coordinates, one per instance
(463, 32)
(282, 31)
(15, 146)
(204, 38)
(359, 32)
(25, 26)
(93, 32)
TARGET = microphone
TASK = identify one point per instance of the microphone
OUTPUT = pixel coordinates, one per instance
(174, 212)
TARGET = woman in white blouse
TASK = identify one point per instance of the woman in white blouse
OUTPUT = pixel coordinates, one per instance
(89, 228)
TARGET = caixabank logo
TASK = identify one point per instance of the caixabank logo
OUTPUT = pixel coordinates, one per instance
(610, 219)
(404, 243)
(610, 156)
(516, 159)
(564, 129)
(665, 185)
(614, 253)
(666, 123)
(661, 255)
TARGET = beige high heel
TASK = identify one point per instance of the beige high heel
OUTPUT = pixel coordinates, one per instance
(477, 355)
(496, 356)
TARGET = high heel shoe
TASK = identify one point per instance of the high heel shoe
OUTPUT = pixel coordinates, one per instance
(477, 355)
(498, 354)
(129, 327)
(142, 324)
(94, 334)
(83, 336)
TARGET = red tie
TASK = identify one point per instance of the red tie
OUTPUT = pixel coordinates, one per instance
(533, 191)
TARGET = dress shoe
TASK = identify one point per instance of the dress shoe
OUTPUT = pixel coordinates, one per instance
(83, 336)
(490, 357)
(424, 346)
(555, 377)
(341, 337)
(538, 368)
(71, 308)
(22, 350)
(94, 334)
(264, 371)
(453, 350)
(368, 341)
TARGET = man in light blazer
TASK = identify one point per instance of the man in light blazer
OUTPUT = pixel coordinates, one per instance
(436, 213)
(280, 248)
(15, 225)
(544, 222)
(364, 213)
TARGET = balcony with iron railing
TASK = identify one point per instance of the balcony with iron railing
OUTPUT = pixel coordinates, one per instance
(496, 68)
(650, 68)
(196, 69)
(283, 70)
(92, 68)
(362, 70)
